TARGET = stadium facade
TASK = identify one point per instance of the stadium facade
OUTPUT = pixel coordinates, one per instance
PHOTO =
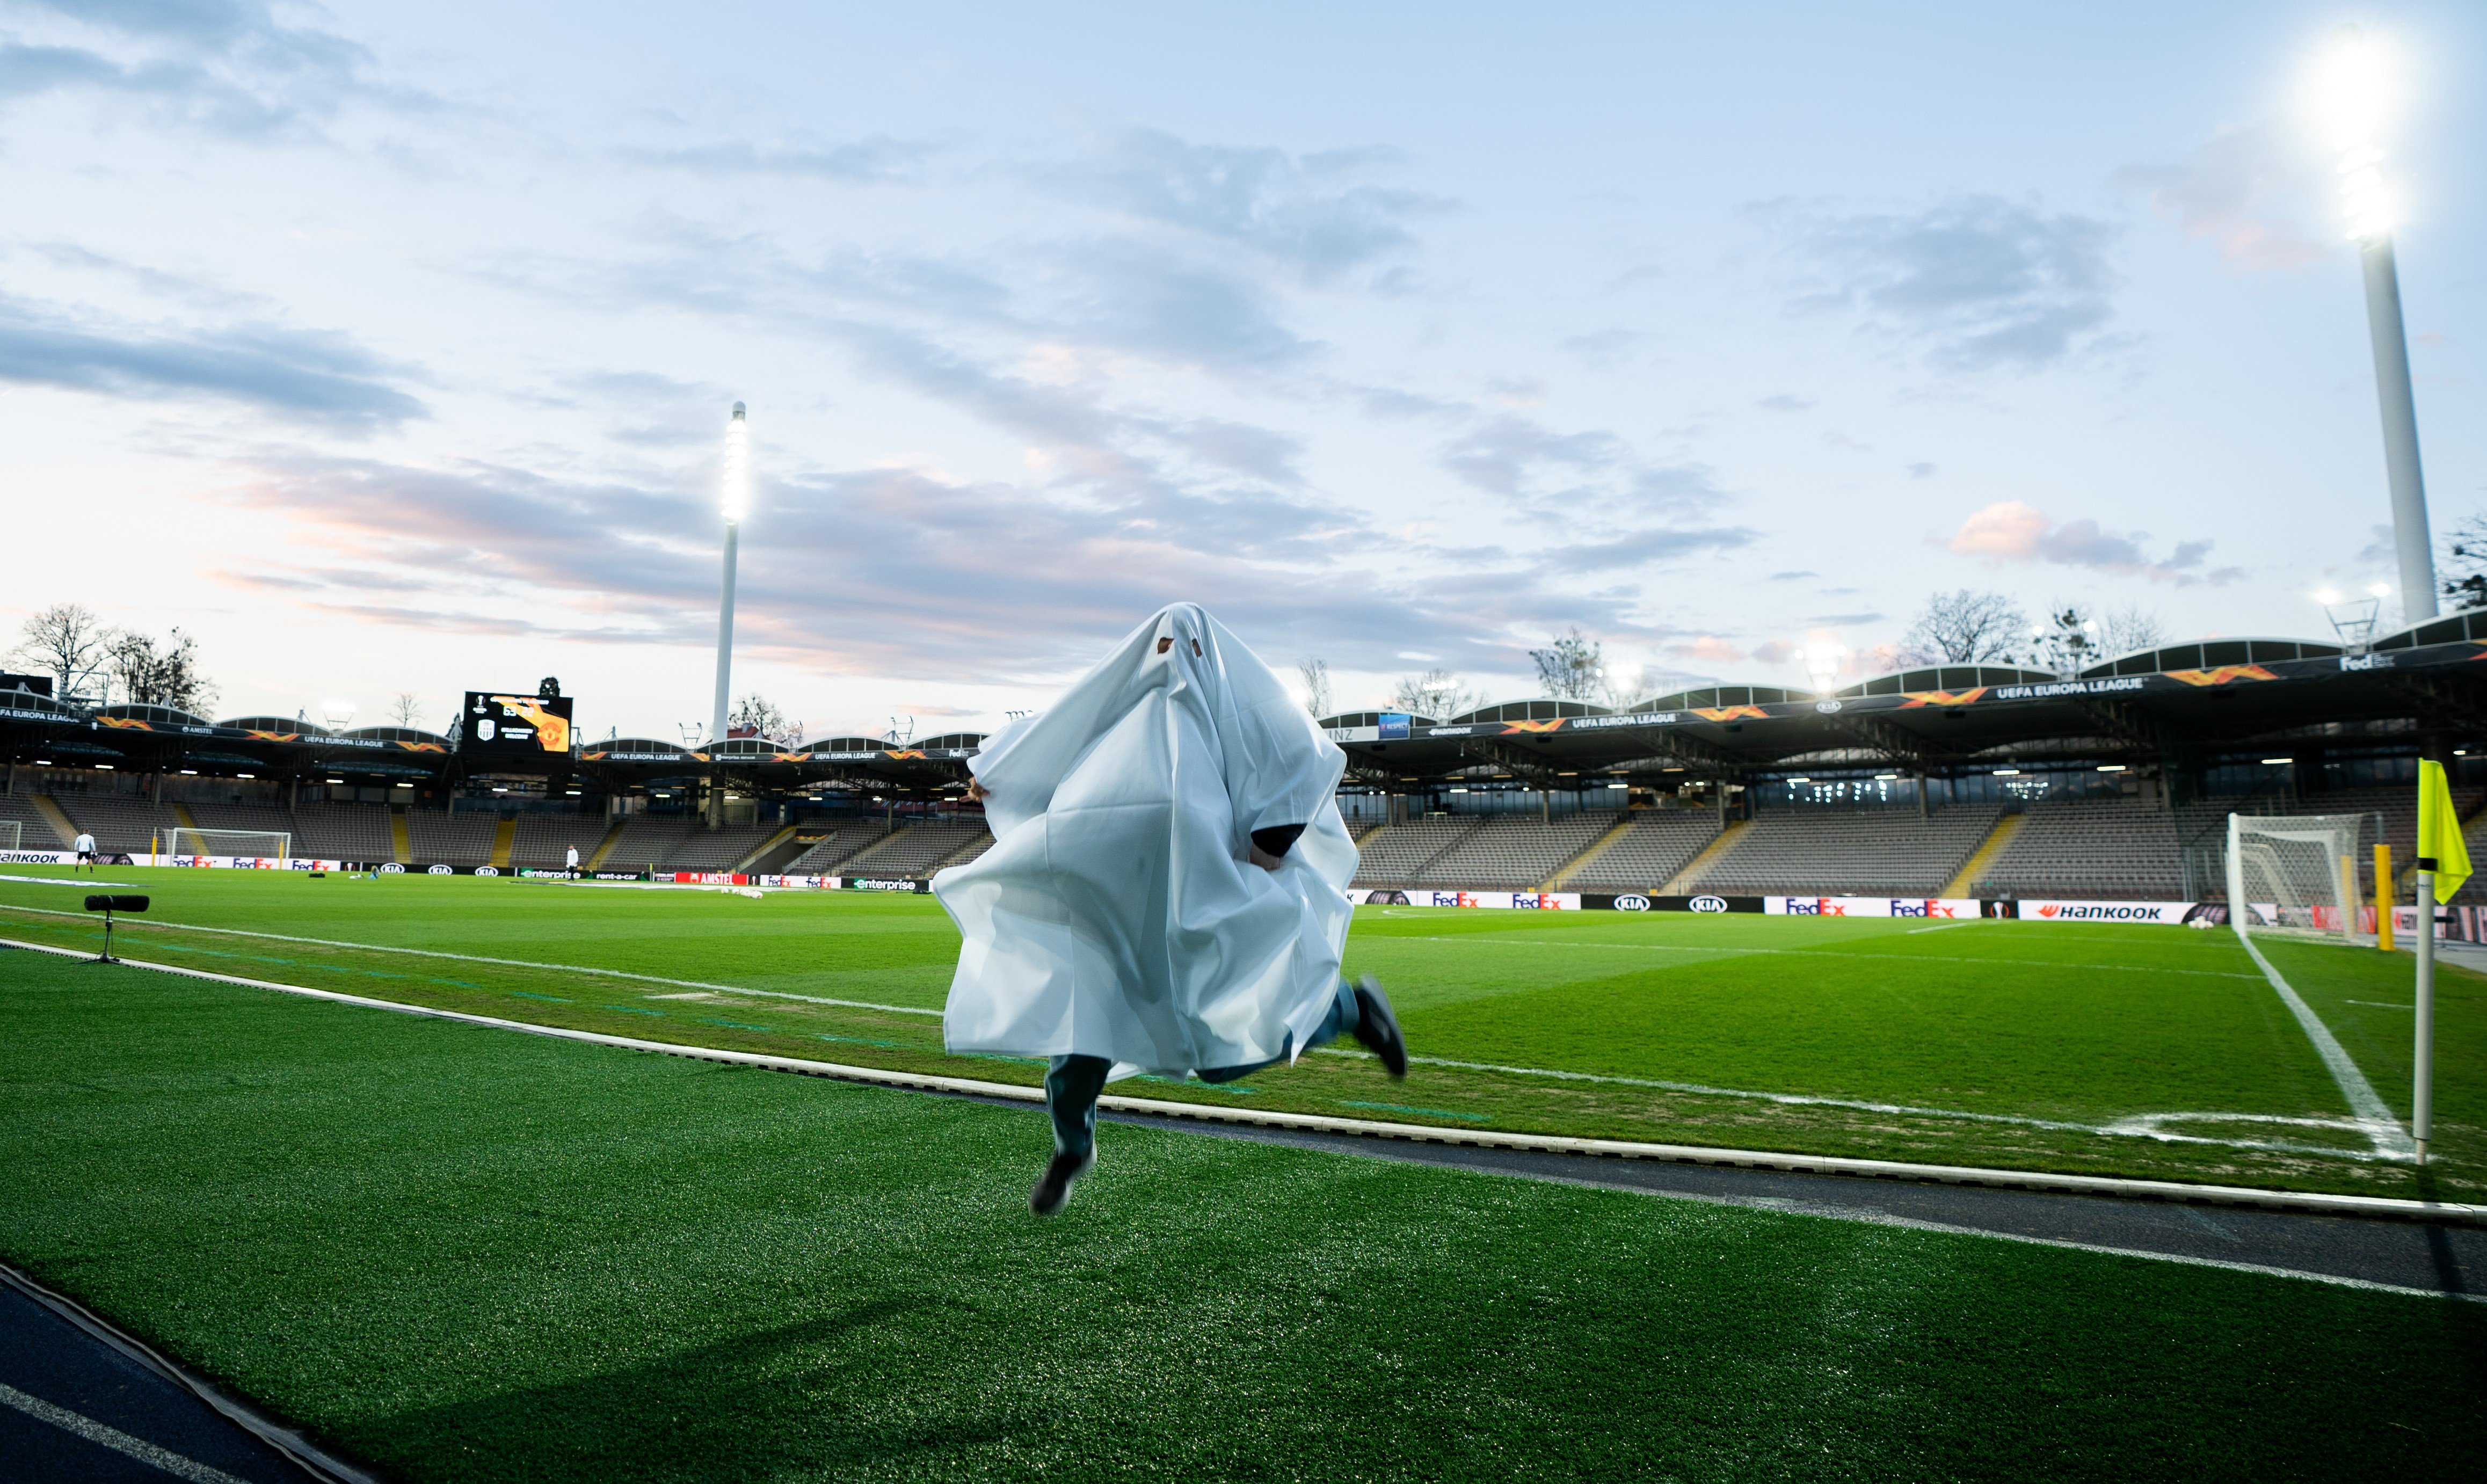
(1964, 779)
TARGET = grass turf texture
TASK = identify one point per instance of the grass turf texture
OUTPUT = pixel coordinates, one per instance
(463, 1253)
(2047, 1023)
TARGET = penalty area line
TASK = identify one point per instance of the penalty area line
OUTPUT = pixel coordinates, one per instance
(2171, 1190)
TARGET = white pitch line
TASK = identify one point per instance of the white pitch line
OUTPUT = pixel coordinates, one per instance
(115, 1439)
(477, 957)
(2380, 1004)
(2364, 1101)
(2134, 1126)
(1811, 953)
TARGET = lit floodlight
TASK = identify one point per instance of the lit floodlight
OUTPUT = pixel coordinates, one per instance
(2381, 590)
(2353, 97)
(2327, 596)
(734, 490)
(337, 712)
(1822, 663)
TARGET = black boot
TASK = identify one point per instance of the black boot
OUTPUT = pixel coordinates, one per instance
(1052, 1190)
(1378, 1028)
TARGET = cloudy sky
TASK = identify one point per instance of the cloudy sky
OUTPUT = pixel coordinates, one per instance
(388, 347)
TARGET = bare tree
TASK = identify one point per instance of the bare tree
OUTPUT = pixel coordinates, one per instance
(2124, 629)
(2066, 643)
(1315, 674)
(1573, 667)
(165, 674)
(2464, 570)
(1437, 694)
(1966, 627)
(756, 715)
(406, 710)
(67, 641)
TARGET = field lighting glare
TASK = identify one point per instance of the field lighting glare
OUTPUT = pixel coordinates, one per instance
(2353, 99)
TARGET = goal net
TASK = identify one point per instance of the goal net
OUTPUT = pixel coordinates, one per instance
(2296, 873)
(249, 844)
(11, 833)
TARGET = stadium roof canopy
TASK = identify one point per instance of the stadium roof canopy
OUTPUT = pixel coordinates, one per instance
(2173, 706)
(2179, 706)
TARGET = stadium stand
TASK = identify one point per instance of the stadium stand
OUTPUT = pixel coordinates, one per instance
(720, 849)
(833, 849)
(340, 832)
(120, 822)
(2113, 848)
(263, 817)
(1867, 853)
(647, 842)
(1660, 843)
(1515, 851)
(1397, 855)
(451, 839)
(2119, 848)
(34, 831)
(544, 840)
(916, 850)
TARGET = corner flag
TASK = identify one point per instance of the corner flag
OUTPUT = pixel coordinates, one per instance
(2439, 831)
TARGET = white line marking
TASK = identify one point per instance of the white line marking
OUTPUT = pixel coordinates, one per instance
(1939, 927)
(1814, 953)
(2135, 1125)
(115, 1439)
(477, 957)
(2364, 1100)
(1876, 1217)
(1482, 1138)
(2380, 1004)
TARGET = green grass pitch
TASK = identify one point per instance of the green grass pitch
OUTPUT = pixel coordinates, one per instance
(2094, 1048)
(464, 1255)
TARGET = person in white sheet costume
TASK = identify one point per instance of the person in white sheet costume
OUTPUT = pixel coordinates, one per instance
(1166, 890)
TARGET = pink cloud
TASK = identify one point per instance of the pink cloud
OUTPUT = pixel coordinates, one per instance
(2009, 530)
(1708, 647)
(2012, 531)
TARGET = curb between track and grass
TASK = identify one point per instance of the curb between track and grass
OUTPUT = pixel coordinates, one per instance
(300, 1451)
(2170, 1191)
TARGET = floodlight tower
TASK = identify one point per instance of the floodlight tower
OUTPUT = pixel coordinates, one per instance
(733, 496)
(2355, 98)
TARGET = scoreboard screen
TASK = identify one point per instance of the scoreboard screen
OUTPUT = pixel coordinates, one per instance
(514, 726)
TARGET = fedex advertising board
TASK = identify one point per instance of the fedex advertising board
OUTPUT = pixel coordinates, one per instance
(1523, 901)
(1936, 907)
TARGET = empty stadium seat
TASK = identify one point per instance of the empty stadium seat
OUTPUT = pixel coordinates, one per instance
(1868, 853)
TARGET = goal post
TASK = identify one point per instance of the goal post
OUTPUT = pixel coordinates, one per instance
(2296, 873)
(248, 844)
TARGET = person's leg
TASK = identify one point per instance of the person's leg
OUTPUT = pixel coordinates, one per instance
(1342, 1020)
(1071, 1086)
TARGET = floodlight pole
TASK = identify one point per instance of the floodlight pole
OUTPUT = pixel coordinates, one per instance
(736, 474)
(2399, 407)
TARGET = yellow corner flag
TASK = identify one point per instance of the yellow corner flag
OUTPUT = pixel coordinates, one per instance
(2439, 830)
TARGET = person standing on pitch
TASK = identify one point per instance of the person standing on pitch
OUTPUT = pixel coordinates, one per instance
(1166, 886)
(572, 864)
(84, 845)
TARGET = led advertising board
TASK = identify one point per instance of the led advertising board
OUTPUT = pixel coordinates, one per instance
(501, 725)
